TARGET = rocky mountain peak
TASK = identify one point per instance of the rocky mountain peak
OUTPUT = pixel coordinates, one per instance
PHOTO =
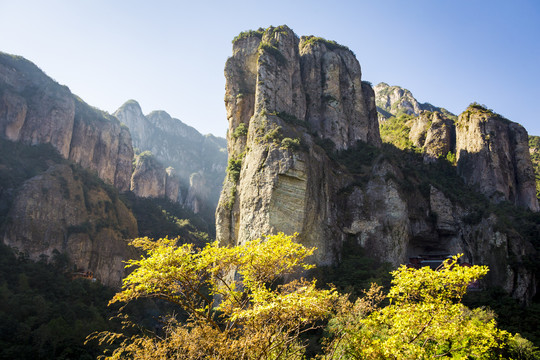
(177, 145)
(305, 156)
(394, 100)
(36, 110)
(283, 94)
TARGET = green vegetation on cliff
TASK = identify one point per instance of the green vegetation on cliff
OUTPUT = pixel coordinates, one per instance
(534, 146)
(250, 33)
(330, 44)
(395, 131)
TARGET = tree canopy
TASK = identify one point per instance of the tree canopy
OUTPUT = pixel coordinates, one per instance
(250, 302)
(235, 306)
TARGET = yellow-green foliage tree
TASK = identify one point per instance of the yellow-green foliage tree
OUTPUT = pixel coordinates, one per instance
(236, 309)
(424, 319)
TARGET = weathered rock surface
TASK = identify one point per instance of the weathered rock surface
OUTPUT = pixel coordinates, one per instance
(35, 110)
(277, 86)
(493, 155)
(176, 144)
(434, 133)
(60, 211)
(151, 180)
(65, 209)
(290, 104)
(339, 106)
(393, 100)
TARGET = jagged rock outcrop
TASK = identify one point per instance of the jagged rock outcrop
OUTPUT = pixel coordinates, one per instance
(493, 155)
(62, 210)
(434, 133)
(35, 110)
(151, 180)
(65, 209)
(176, 144)
(305, 156)
(394, 100)
(277, 85)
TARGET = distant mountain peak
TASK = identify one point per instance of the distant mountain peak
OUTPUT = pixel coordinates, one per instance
(394, 100)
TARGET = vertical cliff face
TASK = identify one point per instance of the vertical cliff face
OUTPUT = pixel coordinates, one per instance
(339, 106)
(278, 88)
(63, 210)
(493, 155)
(492, 152)
(434, 133)
(36, 110)
(176, 144)
(151, 180)
(305, 156)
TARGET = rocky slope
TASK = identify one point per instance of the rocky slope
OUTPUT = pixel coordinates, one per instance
(492, 153)
(63, 208)
(305, 156)
(49, 206)
(36, 110)
(198, 160)
(394, 100)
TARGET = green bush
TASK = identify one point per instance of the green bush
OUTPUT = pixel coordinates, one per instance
(291, 144)
(250, 33)
(330, 44)
(396, 132)
(240, 130)
(233, 168)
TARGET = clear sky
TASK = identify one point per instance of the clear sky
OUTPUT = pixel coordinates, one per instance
(170, 55)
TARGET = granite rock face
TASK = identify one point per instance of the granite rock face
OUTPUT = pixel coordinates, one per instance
(493, 155)
(304, 156)
(151, 180)
(36, 110)
(394, 100)
(59, 211)
(66, 209)
(177, 145)
(434, 133)
(277, 86)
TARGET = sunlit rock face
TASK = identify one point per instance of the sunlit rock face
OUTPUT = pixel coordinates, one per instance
(395, 100)
(493, 155)
(35, 110)
(305, 156)
(279, 86)
(65, 210)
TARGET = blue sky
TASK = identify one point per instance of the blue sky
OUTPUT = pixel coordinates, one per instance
(169, 55)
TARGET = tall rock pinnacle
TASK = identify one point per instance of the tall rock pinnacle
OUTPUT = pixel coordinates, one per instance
(283, 94)
(305, 157)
